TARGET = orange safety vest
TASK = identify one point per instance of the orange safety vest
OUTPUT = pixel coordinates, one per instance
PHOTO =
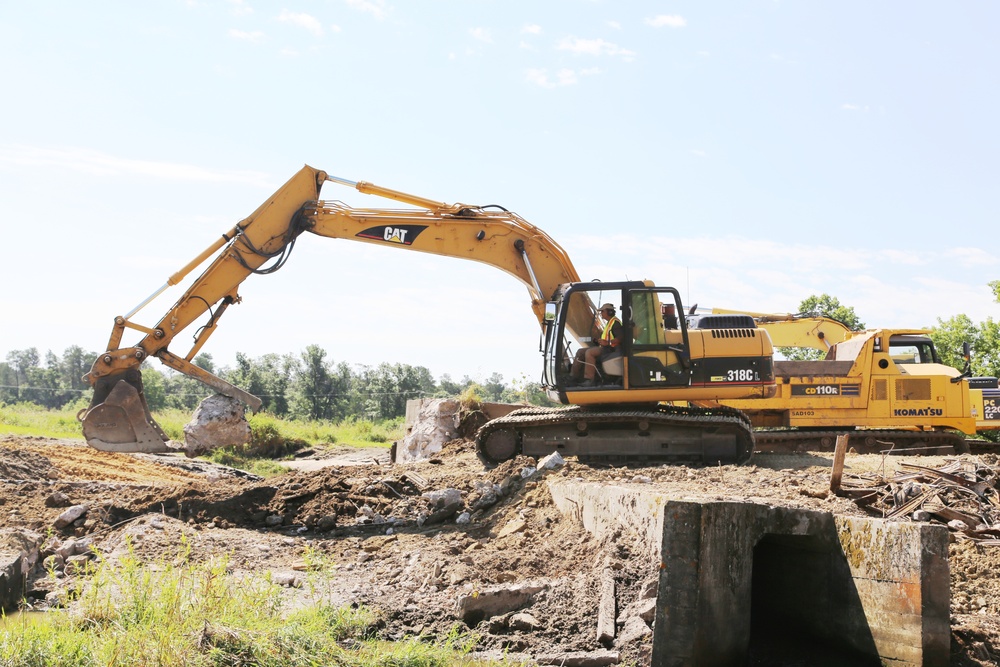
(607, 333)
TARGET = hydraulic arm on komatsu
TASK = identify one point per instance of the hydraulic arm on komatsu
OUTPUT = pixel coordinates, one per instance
(657, 359)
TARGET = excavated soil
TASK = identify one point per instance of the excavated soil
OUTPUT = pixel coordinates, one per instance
(427, 563)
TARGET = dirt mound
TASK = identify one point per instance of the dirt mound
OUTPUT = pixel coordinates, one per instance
(430, 545)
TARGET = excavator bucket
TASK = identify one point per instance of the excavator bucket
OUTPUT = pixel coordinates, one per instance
(122, 423)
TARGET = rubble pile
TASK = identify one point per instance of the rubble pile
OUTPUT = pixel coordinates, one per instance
(962, 494)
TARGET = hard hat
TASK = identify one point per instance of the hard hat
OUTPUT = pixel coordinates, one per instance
(608, 306)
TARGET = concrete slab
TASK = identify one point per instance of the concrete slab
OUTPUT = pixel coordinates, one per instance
(740, 577)
(18, 555)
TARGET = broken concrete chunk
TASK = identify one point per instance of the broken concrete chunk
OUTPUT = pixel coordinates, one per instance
(635, 630)
(443, 498)
(286, 579)
(436, 424)
(579, 659)
(485, 604)
(58, 499)
(647, 610)
(552, 461)
(69, 516)
(524, 622)
(219, 421)
(511, 527)
(76, 564)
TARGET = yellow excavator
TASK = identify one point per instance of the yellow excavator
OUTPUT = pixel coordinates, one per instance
(885, 388)
(622, 416)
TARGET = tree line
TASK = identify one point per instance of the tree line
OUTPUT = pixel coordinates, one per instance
(309, 385)
(312, 386)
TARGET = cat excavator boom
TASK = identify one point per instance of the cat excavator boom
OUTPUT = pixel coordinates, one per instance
(659, 359)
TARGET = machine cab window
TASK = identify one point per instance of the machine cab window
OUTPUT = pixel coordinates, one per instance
(644, 337)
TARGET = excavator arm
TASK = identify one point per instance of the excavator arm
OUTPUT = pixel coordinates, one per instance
(119, 418)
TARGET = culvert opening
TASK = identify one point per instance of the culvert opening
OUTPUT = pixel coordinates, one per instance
(804, 608)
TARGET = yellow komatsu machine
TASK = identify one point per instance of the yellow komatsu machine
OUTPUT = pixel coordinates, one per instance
(622, 416)
(886, 388)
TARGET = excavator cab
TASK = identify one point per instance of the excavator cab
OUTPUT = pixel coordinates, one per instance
(654, 350)
(659, 357)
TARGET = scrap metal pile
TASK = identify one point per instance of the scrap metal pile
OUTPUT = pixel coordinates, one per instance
(963, 494)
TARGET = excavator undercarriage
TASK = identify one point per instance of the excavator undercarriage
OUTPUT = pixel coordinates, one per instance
(658, 433)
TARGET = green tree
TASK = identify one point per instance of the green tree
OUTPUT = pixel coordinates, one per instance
(950, 335)
(829, 306)
(448, 387)
(8, 382)
(494, 387)
(154, 388)
(24, 364)
(388, 387)
(268, 377)
(183, 392)
(74, 364)
(312, 387)
(204, 360)
(823, 305)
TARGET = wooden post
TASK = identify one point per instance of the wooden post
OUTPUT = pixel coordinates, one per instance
(838, 462)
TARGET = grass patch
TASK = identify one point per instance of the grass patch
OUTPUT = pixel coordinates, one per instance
(32, 419)
(273, 436)
(181, 613)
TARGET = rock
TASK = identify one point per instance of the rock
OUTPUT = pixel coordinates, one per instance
(443, 498)
(436, 424)
(463, 519)
(489, 495)
(219, 421)
(273, 521)
(635, 630)
(18, 555)
(484, 604)
(69, 516)
(552, 461)
(511, 527)
(328, 522)
(65, 549)
(53, 563)
(286, 579)
(647, 610)
(76, 564)
(524, 622)
(579, 659)
(58, 499)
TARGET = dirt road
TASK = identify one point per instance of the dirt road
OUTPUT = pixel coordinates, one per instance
(431, 544)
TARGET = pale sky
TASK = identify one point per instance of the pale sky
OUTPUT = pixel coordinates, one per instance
(749, 153)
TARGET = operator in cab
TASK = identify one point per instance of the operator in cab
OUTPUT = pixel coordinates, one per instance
(585, 364)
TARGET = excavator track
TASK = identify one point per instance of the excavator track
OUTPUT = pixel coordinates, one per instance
(662, 433)
(871, 441)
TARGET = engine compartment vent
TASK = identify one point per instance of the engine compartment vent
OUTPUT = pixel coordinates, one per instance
(721, 322)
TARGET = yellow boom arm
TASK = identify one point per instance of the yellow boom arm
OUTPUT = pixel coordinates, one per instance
(819, 333)
(496, 237)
